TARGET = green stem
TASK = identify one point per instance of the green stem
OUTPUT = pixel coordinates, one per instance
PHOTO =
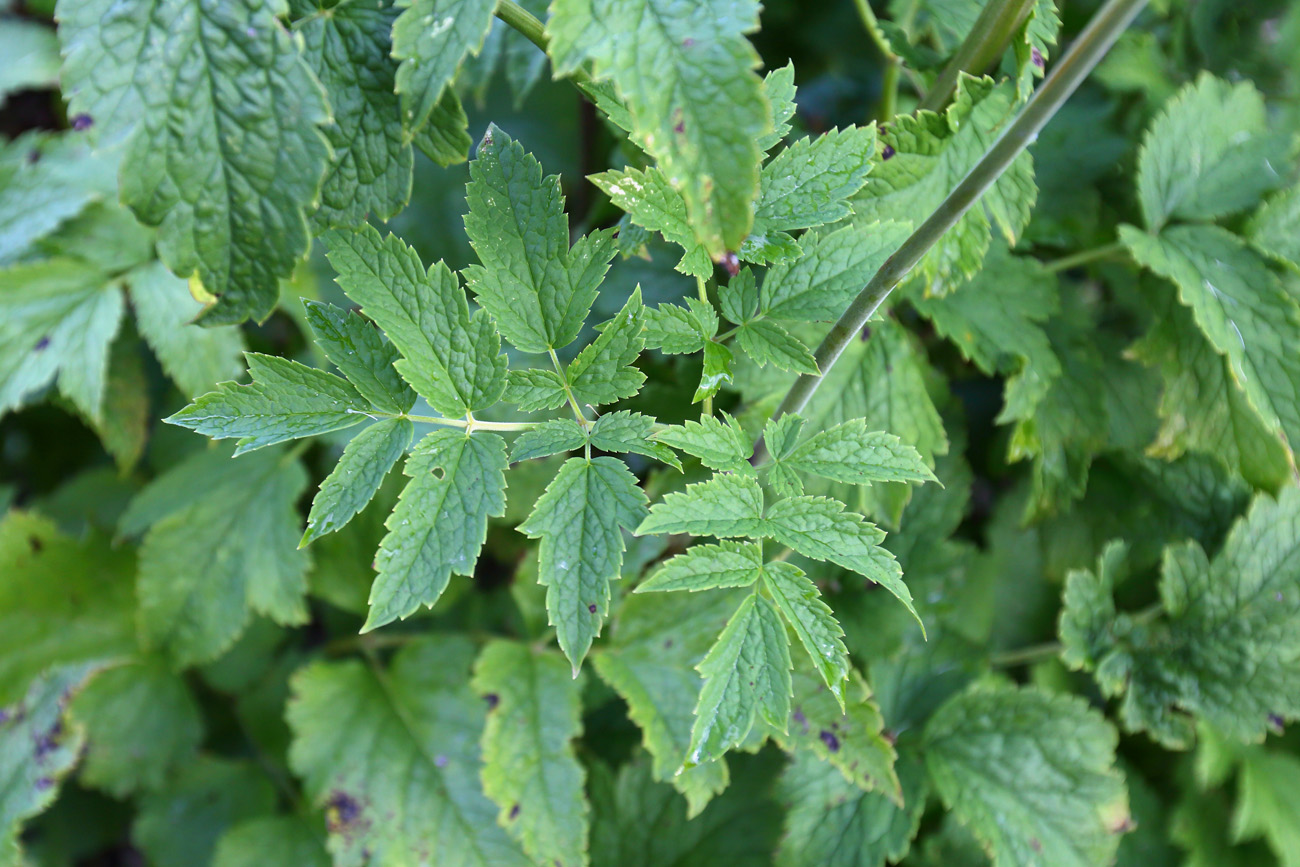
(471, 424)
(868, 16)
(987, 41)
(1026, 655)
(889, 91)
(706, 409)
(1083, 257)
(533, 30)
(1087, 50)
(568, 394)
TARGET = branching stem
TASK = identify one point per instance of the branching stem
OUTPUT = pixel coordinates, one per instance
(533, 30)
(1083, 257)
(1087, 50)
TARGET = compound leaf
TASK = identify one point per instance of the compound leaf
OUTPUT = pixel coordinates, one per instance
(580, 521)
(286, 400)
(832, 270)
(361, 354)
(431, 38)
(452, 359)
(796, 597)
(625, 432)
(720, 444)
(708, 567)
(809, 183)
(537, 288)
(356, 478)
(848, 452)
(767, 342)
(440, 522)
(729, 504)
(548, 438)
(603, 372)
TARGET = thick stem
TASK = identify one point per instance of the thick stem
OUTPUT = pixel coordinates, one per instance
(1026, 655)
(533, 30)
(1087, 50)
(889, 91)
(987, 41)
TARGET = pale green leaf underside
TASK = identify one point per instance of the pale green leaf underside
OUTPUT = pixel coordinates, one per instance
(1032, 774)
(530, 769)
(394, 762)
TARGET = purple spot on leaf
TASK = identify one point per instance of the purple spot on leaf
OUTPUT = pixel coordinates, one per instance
(592, 608)
(832, 742)
(440, 761)
(43, 783)
(514, 812)
(82, 122)
(1036, 57)
(887, 152)
(492, 700)
(41, 344)
(1276, 723)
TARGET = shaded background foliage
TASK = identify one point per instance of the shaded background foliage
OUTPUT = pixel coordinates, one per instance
(216, 777)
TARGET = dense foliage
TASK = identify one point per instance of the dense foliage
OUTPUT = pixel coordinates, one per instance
(592, 511)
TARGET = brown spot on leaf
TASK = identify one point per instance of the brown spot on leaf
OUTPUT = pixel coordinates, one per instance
(731, 262)
(35, 543)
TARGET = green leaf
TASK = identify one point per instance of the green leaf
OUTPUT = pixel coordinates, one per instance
(929, 155)
(696, 105)
(781, 434)
(537, 288)
(445, 138)
(1088, 607)
(181, 824)
(727, 505)
(833, 823)
(88, 614)
(707, 567)
(197, 586)
(832, 270)
(535, 389)
(676, 330)
(650, 661)
(715, 371)
(719, 444)
(451, 358)
(286, 400)
(845, 730)
(440, 523)
(767, 342)
(37, 195)
(1209, 153)
(1240, 305)
(271, 840)
(37, 749)
(530, 769)
(770, 248)
(196, 358)
(739, 299)
(431, 38)
(983, 748)
(637, 823)
(625, 432)
(848, 452)
(58, 318)
(603, 372)
(1273, 228)
(33, 53)
(809, 183)
(173, 76)
(356, 478)
(580, 521)
(1203, 408)
(1032, 45)
(392, 755)
(361, 354)
(142, 724)
(819, 528)
(348, 50)
(996, 320)
(797, 599)
(746, 674)
(652, 203)
(1267, 803)
(1223, 649)
(549, 438)
(779, 87)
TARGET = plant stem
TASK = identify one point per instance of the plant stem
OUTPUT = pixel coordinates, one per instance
(889, 91)
(706, 409)
(568, 393)
(469, 424)
(533, 30)
(1087, 50)
(1083, 257)
(1026, 655)
(987, 41)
